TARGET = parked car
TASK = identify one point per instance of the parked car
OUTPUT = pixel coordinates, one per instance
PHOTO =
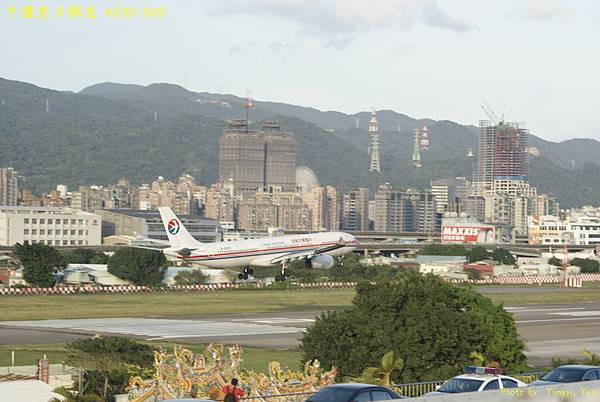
(477, 379)
(353, 393)
(569, 373)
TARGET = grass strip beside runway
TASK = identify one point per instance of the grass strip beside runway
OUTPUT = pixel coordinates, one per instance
(171, 304)
(255, 359)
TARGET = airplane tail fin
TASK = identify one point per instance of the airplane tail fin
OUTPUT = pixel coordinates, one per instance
(176, 232)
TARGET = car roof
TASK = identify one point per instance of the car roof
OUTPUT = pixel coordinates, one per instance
(485, 376)
(578, 367)
(476, 376)
(352, 385)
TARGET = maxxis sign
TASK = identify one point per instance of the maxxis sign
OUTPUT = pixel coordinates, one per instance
(467, 234)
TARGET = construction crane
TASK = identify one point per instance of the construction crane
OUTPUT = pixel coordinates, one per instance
(490, 113)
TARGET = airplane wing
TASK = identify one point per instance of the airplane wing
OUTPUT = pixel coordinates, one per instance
(303, 255)
(140, 238)
(147, 247)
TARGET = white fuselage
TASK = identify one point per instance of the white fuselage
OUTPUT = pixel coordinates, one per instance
(261, 252)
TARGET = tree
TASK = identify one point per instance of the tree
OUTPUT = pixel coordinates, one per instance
(477, 253)
(555, 261)
(74, 396)
(432, 325)
(40, 262)
(349, 269)
(381, 375)
(591, 359)
(107, 360)
(85, 256)
(478, 358)
(473, 274)
(503, 256)
(444, 249)
(587, 265)
(138, 266)
(190, 277)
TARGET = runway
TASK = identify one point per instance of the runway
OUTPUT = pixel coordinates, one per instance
(550, 330)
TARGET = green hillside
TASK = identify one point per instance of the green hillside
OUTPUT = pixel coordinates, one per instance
(108, 131)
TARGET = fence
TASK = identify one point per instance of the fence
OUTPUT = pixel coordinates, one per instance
(577, 281)
(68, 290)
(536, 279)
(412, 390)
(417, 389)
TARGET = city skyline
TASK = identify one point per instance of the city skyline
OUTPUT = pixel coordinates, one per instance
(437, 54)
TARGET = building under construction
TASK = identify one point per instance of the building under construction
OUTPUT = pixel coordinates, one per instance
(257, 159)
(502, 153)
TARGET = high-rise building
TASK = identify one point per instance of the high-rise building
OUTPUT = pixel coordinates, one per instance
(325, 204)
(473, 206)
(161, 193)
(9, 189)
(263, 210)
(424, 214)
(404, 211)
(257, 159)
(257, 212)
(356, 210)
(220, 203)
(293, 213)
(502, 154)
(447, 191)
(374, 149)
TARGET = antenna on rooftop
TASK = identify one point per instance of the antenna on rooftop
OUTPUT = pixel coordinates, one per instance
(248, 105)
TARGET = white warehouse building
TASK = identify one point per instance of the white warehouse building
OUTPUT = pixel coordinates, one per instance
(49, 225)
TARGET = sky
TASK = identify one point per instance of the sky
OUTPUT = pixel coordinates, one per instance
(535, 61)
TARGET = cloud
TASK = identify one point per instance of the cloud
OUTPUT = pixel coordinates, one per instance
(433, 16)
(336, 22)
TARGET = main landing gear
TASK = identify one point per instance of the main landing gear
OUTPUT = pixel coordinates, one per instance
(284, 274)
(246, 273)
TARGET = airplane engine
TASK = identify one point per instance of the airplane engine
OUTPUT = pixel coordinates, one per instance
(321, 261)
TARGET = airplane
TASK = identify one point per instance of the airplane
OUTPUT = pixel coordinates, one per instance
(317, 250)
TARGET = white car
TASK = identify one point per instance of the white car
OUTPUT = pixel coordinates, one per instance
(479, 379)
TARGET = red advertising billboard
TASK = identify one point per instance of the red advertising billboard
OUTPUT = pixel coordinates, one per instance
(467, 234)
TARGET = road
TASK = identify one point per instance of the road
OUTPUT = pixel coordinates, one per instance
(551, 330)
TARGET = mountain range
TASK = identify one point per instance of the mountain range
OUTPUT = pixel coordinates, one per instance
(107, 131)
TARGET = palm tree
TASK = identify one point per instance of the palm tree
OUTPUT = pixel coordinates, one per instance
(388, 365)
(591, 359)
(382, 374)
(73, 396)
(478, 358)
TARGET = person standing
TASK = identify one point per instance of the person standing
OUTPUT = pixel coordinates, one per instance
(232, 392)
